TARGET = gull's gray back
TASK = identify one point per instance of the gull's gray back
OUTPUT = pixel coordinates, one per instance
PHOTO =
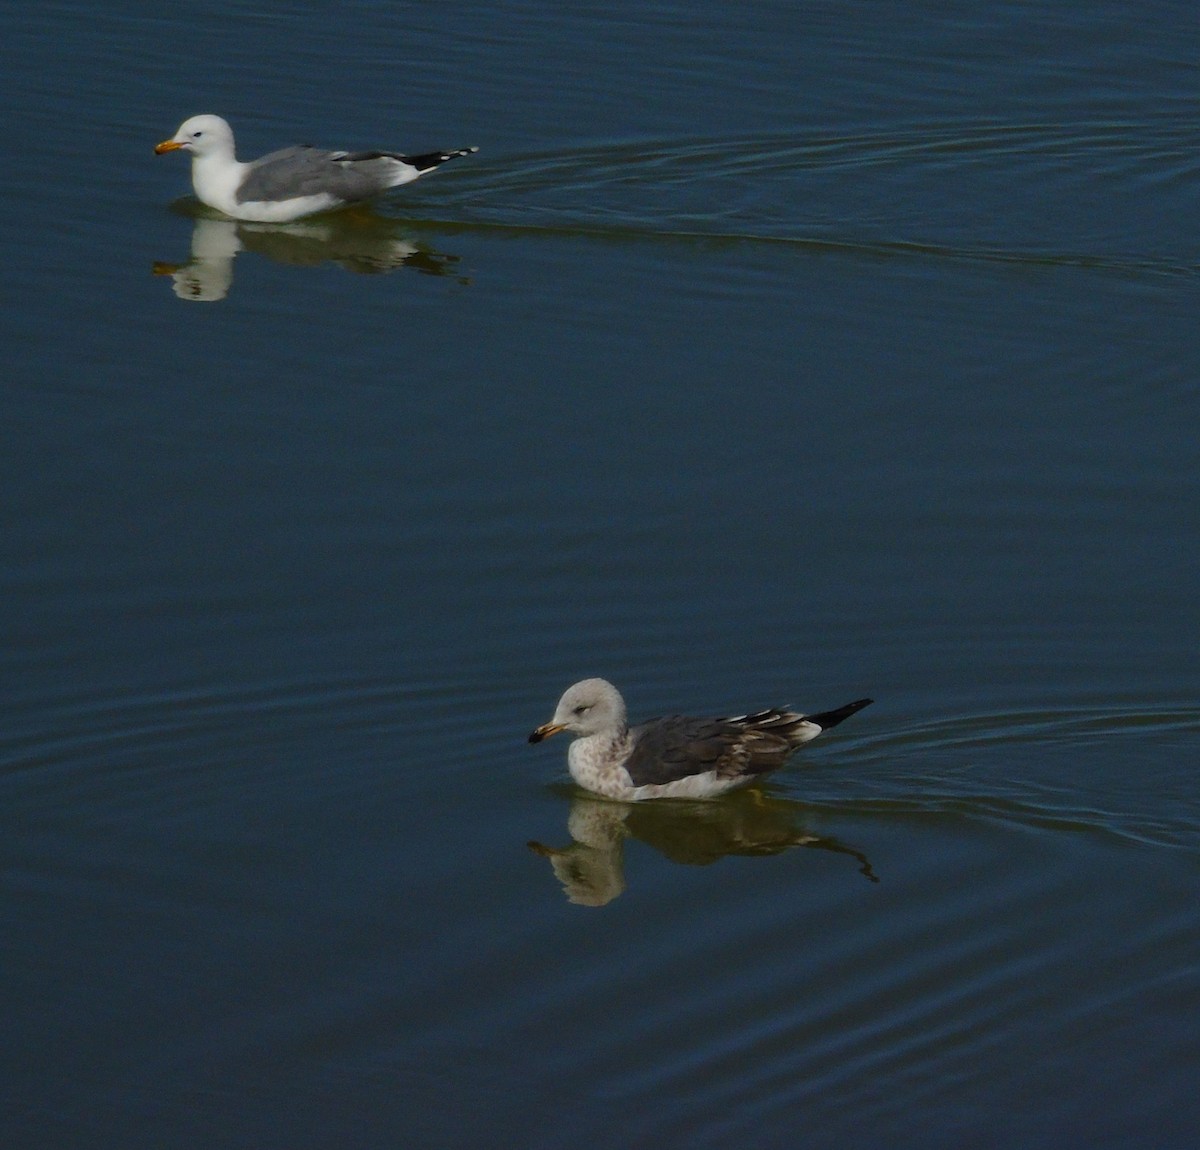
(308, 171)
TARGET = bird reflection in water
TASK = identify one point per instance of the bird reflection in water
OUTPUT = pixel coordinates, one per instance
(592, 868)
(358, 240)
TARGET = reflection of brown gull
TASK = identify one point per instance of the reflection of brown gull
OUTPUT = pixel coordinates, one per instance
(591, 869)
(358, 241)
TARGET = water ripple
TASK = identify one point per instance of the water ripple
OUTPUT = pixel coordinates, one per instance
(967, 768)
(927, 190)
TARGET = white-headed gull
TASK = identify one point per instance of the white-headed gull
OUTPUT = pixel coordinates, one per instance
(675, 756)
(293, 182)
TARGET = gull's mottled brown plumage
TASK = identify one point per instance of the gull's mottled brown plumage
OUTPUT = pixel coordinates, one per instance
(676, 756)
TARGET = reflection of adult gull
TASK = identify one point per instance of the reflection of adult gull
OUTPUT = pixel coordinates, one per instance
(208, 275)
(675, 756)
(293, 182)
(358, 241)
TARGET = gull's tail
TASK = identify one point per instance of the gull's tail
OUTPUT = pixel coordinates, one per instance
(827, 719)
(795, 728)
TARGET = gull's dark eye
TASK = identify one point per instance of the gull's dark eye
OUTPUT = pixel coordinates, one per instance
(582, 709)
(197, 135)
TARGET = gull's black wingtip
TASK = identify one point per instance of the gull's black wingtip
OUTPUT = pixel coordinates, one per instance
(827, 719)
(430, 160)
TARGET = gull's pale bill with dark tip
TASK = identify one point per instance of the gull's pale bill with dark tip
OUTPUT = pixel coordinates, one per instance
(292, 182)
(675, 756)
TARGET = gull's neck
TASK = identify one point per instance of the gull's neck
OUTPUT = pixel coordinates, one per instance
(215, 179)
(595, 761)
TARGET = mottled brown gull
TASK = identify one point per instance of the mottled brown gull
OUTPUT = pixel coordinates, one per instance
(675, 756)
(292, 182)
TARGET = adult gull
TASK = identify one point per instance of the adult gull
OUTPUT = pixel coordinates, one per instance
(292, 182)
(675, 756)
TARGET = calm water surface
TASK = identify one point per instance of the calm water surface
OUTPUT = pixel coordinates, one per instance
(762, 355)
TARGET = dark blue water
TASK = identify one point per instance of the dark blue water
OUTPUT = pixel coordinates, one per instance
(763, 355)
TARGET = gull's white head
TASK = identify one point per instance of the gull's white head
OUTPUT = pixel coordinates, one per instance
(587, 708)
(201, 136)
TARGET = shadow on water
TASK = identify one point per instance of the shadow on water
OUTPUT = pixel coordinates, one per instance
(358, 240)
(591, 867)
